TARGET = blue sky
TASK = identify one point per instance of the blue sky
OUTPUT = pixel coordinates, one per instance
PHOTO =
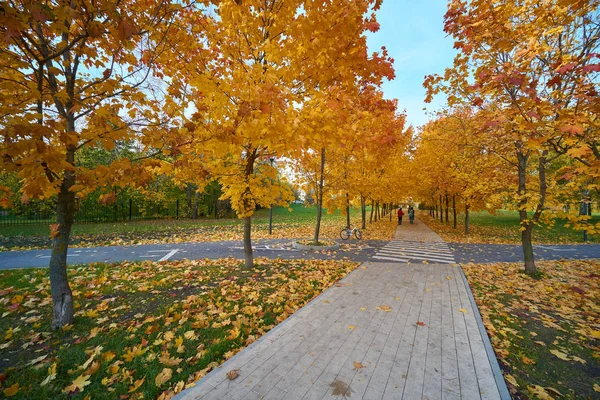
(412, 31)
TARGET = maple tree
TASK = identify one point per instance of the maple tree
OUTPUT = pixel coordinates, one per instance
(531, 66)
(72, 76)
(463, 168)
(247, 68)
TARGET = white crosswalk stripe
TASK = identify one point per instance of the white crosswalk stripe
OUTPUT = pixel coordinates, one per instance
(404, 251)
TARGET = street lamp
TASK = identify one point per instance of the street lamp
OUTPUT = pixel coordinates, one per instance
(271, 208)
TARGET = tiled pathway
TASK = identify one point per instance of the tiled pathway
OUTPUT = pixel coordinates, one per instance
(386, 331)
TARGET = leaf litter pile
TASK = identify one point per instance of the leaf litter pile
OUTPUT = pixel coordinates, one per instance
(545, 330)
(145, 330)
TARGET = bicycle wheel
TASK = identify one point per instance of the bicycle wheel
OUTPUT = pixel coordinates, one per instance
(358, 234)
(345, 234)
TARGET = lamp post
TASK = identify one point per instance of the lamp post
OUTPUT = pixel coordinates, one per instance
(271, 208)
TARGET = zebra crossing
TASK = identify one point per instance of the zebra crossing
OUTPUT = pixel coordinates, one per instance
(406, 251)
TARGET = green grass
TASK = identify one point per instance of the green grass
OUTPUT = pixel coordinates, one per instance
(503, 227)
(542, 329)
(119, 308)
(281, 216)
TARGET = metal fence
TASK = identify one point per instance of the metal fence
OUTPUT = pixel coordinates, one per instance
(130, 209)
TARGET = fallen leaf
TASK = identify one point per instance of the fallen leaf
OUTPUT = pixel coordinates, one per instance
(233, 374)
(560, 355)
(596, 387)
(136, 385)
(540, 392)
(78, 384)
(168, 361)
(340, 388)
(420, 323)
(163, 377)
(511, 379)
(580, 360)
(527, 360)
(51, 375)
(351, 327)
(449, 277)
(363, 308)
(384, 308)
(463, 310)
(357, 365)
(37, 360)
(12, 390)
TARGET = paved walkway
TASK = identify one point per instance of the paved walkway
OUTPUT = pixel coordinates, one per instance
(386, 331)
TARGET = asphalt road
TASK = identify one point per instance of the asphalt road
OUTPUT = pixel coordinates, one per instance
(353, 250)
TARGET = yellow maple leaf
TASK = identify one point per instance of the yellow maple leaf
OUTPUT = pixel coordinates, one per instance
(163, 377)
(463, 310)
(78, 384)
(357, 365)
(560, 355)
(512, 380)
(351, 327)
(136, 385)
(51, 375)
(12, 390)
(384, 308)
(527, 360)
(596, 387)
(540, 392)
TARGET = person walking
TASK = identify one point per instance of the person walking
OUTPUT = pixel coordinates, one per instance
(400, 214)
(411, 214)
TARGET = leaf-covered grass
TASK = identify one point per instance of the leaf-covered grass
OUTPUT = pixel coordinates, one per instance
(545, 330)
(139, 324)
(298, 223)
(503, 227)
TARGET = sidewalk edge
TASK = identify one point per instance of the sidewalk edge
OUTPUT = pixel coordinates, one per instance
(500, 382)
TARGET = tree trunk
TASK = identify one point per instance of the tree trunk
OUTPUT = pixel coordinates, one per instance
(454, 211)
(62, 297)
(248, 255)
(447, 206)
(526, 225)
(195, 210)
(189, 196)
(363, 211)
(528, 250)
(372, 211)
(441, 209)
(390, 209)
(320, 197)
(347, 211)
(466, 218)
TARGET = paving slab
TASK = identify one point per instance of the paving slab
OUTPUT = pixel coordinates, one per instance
(385, 331)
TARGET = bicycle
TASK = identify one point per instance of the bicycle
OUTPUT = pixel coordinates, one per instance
(347, 232)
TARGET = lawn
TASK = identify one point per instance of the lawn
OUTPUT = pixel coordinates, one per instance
(544, 330)
(297, 223)
(503, 227)
(145, 330)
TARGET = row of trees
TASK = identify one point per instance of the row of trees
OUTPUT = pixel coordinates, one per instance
(522, 122)
(199, 91)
